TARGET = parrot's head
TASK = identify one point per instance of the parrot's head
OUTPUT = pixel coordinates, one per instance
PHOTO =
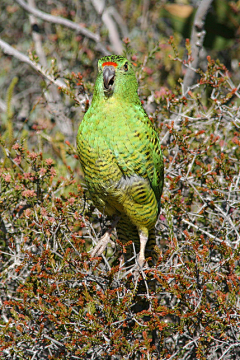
(116, 79)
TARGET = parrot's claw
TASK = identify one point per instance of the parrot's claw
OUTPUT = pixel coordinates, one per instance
(141, 262)
(105, 239)
(101, 245)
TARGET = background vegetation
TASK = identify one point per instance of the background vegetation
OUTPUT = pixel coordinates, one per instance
(56, 302)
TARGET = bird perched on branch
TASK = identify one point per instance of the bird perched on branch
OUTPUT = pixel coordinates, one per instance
(121, 158)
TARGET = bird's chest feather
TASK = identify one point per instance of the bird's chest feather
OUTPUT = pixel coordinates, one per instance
(115, 149)
(111, 136)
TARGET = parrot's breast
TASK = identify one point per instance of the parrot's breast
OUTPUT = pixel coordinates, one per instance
(119, 161)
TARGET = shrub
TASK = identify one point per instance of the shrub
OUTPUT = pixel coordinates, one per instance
(56, 301)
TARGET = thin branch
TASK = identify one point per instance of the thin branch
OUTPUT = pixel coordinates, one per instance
(9, 50)
(52, 95)
(228, 349)
(184, 347)
(110, 24)
(227, 218)
(119, 20)
(63, 123)
(65, 22)
(197, 38)
(53, 340)
(201, 230)
(37, 37)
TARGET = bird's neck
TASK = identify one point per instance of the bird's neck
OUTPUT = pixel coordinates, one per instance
(115, 101)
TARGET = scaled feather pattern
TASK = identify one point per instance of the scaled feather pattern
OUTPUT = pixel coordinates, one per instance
(120, 154)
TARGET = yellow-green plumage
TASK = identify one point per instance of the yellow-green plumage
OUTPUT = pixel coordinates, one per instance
(120, 154)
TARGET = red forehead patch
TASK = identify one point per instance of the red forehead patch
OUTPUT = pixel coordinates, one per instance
(110, 63)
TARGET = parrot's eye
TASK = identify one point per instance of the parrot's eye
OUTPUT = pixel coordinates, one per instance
(125, 66)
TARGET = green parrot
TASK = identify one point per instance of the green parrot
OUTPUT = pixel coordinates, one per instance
(120, 154)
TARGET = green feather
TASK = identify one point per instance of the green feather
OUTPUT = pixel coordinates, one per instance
(120, 154)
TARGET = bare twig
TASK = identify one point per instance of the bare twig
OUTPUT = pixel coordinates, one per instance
(9, 50)
(65, 22)
(121, 23)
(194, 341)
(62, 121)
(201, 230)
(228, 349)
(52, 96)
(110, 24)
(37, 37)
(105, 239)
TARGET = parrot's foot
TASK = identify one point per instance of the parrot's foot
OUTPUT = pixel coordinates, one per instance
(105, 239)
(141, 261)
(101, 245)
(143, 242)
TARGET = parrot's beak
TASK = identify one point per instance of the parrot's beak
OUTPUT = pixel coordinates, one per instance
(108, 77)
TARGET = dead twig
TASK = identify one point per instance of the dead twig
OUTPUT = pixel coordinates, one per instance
(197, 38)
(65, 22)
